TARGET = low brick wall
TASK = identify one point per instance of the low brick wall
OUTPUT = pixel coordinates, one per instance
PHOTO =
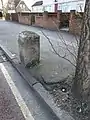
(14, 17)
(24, 18)
(47, 21)
(75, 26)
(7, 16)
(39, 21)
(75, 23)
(50, 20)
(65, 19)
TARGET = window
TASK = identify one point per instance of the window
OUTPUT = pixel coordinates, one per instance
(22, 6)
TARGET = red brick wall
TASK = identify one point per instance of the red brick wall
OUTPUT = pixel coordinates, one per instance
(24, 18)
(75, 24)
(65, 19)
(14, 17)
(52, 20)
(7, 16)
(39, 21)
(49, 20)
(45, 21)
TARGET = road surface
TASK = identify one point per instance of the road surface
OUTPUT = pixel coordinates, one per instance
(17, 100)
(51, 67)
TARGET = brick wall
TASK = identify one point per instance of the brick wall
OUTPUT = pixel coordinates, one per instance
(14, 17)
(50, 20)
(75, 23)
(24, 18)
(65, 19)
(7, 17)
(39, 21)
(47, 20)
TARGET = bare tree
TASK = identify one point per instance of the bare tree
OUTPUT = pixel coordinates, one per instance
(2, 4)
(57, 53)
(81, 84)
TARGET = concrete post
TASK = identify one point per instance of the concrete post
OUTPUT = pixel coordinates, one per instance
(59, 18)
(29, 48)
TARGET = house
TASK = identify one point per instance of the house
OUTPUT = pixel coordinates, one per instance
(50, 5)
(37, 7)
(24, 11)
(22, 7)
(64, 5)
(11, 6)
(11, 10)
(68, 5)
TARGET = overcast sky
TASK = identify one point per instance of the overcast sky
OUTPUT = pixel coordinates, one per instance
(29, 3)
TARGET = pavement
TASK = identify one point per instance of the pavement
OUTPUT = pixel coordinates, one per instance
(37, 102)
(52, 68)
(48, 66)
(19, 101)
(38, 88)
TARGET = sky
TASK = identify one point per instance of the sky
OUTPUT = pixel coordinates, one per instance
(29, 3)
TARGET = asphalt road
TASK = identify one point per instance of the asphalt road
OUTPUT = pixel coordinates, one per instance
(9, 109)
(9, 33)
(51, 67)
(17, 100)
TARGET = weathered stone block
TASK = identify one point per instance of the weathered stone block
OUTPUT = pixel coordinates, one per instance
(29, 48)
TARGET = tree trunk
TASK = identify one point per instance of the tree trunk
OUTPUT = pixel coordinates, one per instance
(81, 85)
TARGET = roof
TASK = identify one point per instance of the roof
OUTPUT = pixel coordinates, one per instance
(28, 3)
(16, 2)
(38, 3)
(26, 9)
